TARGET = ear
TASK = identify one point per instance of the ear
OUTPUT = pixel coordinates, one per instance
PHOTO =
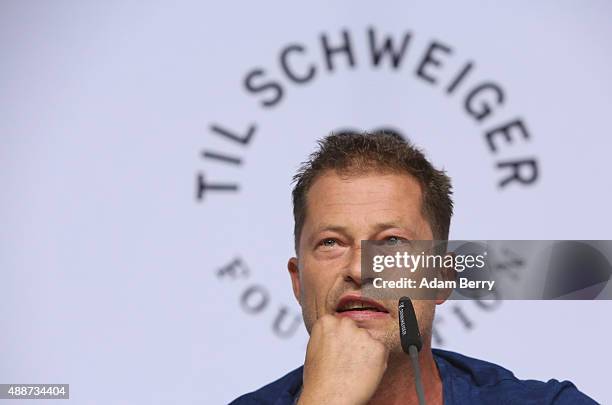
(294, 272)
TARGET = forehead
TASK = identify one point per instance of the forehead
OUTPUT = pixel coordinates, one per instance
(364, 200)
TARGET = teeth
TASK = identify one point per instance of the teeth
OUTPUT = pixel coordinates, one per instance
(356, 305)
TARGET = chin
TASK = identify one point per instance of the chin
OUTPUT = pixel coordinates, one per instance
(381, 333)
(389, 338)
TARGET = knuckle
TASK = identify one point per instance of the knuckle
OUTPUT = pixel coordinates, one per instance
(347, 325)
(345, 321)
(326, 321)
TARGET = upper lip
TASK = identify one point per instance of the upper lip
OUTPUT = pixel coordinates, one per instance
(366, 302)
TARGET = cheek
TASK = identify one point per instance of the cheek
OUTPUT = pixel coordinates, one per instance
(425, 312)
(314, 286)
(316, 282)
(313, 282)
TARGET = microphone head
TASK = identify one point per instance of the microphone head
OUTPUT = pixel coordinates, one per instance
(409, 327)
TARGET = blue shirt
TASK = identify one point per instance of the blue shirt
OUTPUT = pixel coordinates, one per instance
(465, 381)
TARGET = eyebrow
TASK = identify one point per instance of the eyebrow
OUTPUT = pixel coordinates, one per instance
(381, 226)
(394, 224)
(333, 228)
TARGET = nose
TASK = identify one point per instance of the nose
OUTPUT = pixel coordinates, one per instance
(352, 272)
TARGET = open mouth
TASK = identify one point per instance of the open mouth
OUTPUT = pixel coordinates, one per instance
(359, 304)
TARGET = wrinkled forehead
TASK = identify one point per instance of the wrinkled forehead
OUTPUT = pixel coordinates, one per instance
(371, 199)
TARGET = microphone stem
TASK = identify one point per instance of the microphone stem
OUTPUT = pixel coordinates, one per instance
(414, 357)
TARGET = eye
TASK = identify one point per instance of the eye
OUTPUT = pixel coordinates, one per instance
(328, 242)
(394, 240)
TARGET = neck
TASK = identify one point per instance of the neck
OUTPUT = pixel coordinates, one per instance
(398, 387)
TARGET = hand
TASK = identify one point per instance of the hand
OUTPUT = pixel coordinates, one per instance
(344, 364)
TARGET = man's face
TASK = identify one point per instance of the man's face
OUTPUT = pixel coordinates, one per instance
(341, 212)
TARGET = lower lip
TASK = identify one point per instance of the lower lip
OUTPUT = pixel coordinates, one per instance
(363, 315)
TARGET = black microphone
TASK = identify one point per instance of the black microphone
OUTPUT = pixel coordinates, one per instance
(409, 327)
(411, 341)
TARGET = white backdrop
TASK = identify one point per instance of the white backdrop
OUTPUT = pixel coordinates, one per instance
(116, 264)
